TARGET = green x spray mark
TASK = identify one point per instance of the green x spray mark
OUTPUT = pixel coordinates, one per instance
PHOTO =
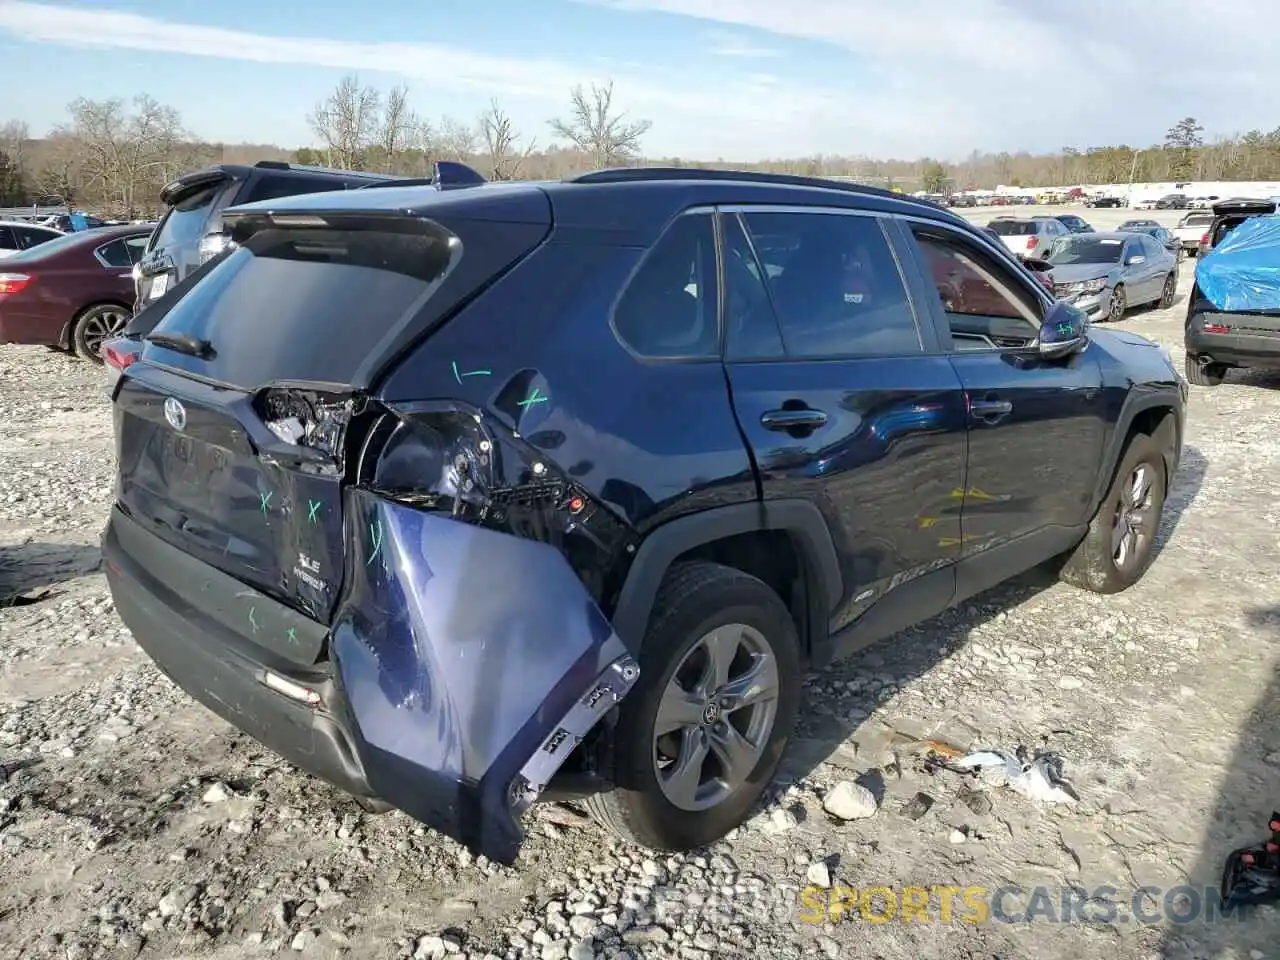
(293, 635)
(313, 510)
(470, 373)
(535, 397)
(265, 501)
(252, 619)
(375, 537)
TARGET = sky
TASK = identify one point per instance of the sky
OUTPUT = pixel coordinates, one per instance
(719, 79)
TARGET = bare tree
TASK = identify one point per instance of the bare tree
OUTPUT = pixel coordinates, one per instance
(609, 138)
(502, 144)
(399, 127)
(454, 140)
(348, 122)
(14, 175)
(126, 153)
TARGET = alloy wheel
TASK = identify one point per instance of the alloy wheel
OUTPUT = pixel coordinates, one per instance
(1135, 518)
(100, 326)
(1116, 309)
(715, 717)
(1169, 292)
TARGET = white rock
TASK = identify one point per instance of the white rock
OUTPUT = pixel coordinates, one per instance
(217, 793)
(818, 874)
(850, 801)
(781, 819)
(957, 836)
(1070, 683)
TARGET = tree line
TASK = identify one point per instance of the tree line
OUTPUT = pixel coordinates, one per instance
(113, 156)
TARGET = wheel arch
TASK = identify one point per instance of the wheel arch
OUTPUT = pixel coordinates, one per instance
(1155, 415)
(700, 534)
(67, 337)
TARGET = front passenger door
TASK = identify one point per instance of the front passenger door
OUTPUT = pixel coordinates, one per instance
(1036, 427)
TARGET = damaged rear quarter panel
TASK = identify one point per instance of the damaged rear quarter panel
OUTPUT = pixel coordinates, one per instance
(472, 662)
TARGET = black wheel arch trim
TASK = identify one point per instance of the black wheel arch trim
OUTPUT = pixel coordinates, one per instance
(1169, 399)
(801, 519)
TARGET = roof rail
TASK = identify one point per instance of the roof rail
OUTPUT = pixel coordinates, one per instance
(398, 182)
(644, 174)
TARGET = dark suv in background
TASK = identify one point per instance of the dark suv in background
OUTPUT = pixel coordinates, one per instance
(190, 232)
(462, 497)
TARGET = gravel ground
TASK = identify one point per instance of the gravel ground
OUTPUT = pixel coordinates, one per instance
(134, 823)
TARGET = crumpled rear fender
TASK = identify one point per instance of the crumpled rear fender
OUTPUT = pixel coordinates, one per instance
(472, 662)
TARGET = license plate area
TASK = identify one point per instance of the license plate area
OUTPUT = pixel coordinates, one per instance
(159, 284)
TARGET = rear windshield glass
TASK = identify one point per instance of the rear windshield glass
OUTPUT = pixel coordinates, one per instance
(1013, 228)
(1197, 219)
(185, 221)
(305, 304)
(1082, 248)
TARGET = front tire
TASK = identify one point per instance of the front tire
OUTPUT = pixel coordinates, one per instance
(95, 325)
(1117, 305)
(701, 735)
(1204, 374)
(1170, 292)
(1114, 554)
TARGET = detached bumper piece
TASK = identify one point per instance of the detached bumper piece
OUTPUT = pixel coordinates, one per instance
(462, 667)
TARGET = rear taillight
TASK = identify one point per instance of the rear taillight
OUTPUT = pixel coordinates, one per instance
(1204, 241)
(1033, 242)
(14, 282)
(119, 354)
(1216, 328)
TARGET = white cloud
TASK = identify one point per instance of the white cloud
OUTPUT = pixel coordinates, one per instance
(1008, 74)
(727, 44)
(740, 118)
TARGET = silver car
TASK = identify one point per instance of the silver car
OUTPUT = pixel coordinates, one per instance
(1105, 274)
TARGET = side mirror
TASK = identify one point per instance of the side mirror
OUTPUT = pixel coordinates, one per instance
(1064, 331)
(1136, 259)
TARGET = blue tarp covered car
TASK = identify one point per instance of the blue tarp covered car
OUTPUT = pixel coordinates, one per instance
(1242, 273)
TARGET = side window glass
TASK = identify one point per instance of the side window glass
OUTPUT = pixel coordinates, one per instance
(668, 309)
(115, 254)
(751, 327)
(835, 285)
(135, 247)
(7, 240)
(31, 238)
(986, 307)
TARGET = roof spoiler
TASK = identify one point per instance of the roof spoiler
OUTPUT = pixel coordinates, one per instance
(447, 175)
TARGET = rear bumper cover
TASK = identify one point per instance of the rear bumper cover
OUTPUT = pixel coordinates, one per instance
(462, 668)
(1239, 348)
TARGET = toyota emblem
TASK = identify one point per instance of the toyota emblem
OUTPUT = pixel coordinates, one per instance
(175, 413)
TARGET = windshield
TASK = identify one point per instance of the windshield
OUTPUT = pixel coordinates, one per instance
(1012, 228)
(1197, 219)
(1083, 248)
(185, 221)
(56, 245)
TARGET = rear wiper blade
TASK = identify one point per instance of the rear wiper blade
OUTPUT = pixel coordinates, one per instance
(183, 343)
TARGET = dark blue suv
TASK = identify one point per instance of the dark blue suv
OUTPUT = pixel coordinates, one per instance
(466, 494)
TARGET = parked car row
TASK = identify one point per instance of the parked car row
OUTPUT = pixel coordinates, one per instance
(406, 544)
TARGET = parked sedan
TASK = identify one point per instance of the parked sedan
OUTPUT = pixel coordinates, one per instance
(72, 292)
(1074, 223)
(17, 236)
(1105, 274)
(1160, 234)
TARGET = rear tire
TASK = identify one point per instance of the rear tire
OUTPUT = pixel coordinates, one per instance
(1114, 554)
(94, 325)
(697, 602)
(1204, 374)
(1170, 292)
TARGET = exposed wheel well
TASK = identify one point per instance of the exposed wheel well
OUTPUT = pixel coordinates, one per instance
(771, 556)
(1161, 424)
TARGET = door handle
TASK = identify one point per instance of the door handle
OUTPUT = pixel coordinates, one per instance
(802, 419)
(990, 411)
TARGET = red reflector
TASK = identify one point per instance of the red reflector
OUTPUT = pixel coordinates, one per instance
(1216, 328)
(1204, 240)
(14, 282)
(1033, 242)
(576, 504)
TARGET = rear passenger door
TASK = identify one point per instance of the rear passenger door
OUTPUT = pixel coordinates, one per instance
(845, 399)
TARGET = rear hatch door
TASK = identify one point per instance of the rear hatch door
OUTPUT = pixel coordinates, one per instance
(472, 660)
(174, 248)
